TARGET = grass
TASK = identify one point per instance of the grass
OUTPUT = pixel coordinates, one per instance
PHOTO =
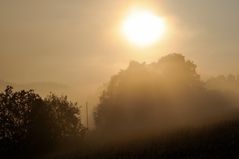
(220, 141)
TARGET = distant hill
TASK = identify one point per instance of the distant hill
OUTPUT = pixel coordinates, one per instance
(42, 88)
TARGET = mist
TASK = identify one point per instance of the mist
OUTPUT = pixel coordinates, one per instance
(164, 95)
(119, 79)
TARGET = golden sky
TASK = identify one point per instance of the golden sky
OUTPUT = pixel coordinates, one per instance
(79, 41)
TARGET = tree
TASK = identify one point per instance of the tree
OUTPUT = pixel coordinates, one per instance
(168, 93)
(65, 117)
(15, 110)
(29, 121)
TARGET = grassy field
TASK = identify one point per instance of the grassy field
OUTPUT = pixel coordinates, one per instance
(220, 141)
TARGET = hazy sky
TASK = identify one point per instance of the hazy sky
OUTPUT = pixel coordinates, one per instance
(79, 41)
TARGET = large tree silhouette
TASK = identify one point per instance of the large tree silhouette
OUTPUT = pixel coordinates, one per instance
(157, 95)
(28, 121)
(15, 115)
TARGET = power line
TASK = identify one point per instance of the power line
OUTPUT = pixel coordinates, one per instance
(87, 119)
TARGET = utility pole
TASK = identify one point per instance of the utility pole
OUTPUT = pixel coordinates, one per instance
(87, 120)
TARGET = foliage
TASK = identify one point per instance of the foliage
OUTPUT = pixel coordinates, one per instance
(156, 110)
(16, 109)
(65, 116)
(168, 93)
(229, 84)
(28, 121)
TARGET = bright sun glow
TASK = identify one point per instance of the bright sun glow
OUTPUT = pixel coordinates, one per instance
(143, 28)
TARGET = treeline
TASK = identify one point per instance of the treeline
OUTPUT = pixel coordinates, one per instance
(32, 125)
(163, 95)
(139, 104)
(229, 83)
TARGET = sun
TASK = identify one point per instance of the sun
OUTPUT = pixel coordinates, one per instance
(143, 28)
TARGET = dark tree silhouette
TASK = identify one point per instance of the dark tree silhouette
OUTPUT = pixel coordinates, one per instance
(65, 117)
(30, 122)
(15, 112)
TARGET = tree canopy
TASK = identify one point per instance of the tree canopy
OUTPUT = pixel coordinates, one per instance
(157, 95)
(29, 121)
